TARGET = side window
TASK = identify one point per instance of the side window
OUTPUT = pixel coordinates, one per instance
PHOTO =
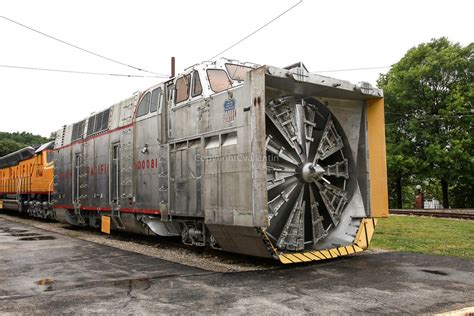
(98, 121)
(155, 99)
(90, 125)
(218, 80)
(237, 72)
(78, 130)
(197, 87)
(144, 105)
(182, 89)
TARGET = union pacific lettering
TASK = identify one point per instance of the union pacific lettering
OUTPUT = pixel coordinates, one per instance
(19, 172)
(103, 169)
(98, 170)
(92, 171)
(145, 164)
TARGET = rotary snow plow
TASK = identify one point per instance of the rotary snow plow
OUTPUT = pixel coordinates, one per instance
(257, 160)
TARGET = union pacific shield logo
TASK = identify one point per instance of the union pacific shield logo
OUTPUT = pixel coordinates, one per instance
(229, 110)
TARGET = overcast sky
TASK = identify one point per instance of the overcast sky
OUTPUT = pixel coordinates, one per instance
(325, 35)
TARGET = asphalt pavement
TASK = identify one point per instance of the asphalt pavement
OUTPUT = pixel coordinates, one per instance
(46, 272)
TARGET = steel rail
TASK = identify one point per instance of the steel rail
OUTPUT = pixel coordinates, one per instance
(466, 214)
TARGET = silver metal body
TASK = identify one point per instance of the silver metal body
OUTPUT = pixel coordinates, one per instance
(275, 162)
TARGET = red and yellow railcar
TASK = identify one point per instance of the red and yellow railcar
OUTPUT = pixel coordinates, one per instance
(26, 180)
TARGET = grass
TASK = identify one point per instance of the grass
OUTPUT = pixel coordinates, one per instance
(440, 236)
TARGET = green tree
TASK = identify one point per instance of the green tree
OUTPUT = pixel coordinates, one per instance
(429, 114)
(10, 142)
(24, 138)
(8, 146)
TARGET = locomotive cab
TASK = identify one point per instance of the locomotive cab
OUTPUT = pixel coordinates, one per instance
(208, 78)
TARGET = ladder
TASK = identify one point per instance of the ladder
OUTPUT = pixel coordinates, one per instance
(77, 213)
(80, 180)
(126, 153)
(116, 217)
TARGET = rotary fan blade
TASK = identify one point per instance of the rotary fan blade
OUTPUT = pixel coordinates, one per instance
(307, 171)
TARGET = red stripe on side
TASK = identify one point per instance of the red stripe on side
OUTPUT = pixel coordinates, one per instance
(129, 210)
(87, 208)
(95, 136)
(108, 209)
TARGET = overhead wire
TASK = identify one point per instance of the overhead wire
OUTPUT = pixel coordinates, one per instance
(81, 72)
(276, 18)
(157, 75)
(80, 48)
(257, 30)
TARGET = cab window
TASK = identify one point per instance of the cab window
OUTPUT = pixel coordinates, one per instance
(237, 72)
(182, 88)
(144, 105)
(155, 99)
(197, 87)
(49, 156)
(218, 80)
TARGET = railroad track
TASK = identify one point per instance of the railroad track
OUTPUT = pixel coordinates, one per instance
(456, 213)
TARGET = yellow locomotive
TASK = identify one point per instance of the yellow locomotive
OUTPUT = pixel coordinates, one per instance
(26, 180)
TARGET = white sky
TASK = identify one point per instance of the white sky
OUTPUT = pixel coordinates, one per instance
(325, 35)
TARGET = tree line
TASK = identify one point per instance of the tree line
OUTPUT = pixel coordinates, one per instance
(429, 114)
(10, 142)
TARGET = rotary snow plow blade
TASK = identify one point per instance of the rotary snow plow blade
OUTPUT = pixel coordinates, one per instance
(315, 192)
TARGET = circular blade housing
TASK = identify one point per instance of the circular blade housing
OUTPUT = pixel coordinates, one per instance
(308, 172)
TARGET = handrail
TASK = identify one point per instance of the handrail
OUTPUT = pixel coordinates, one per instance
(18, 187)
(18, 194)
(49, 191)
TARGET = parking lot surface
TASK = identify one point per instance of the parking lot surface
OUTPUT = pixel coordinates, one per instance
(46, 272)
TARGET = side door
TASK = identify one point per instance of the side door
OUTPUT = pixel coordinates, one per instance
(77, 177)
(114, 175)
